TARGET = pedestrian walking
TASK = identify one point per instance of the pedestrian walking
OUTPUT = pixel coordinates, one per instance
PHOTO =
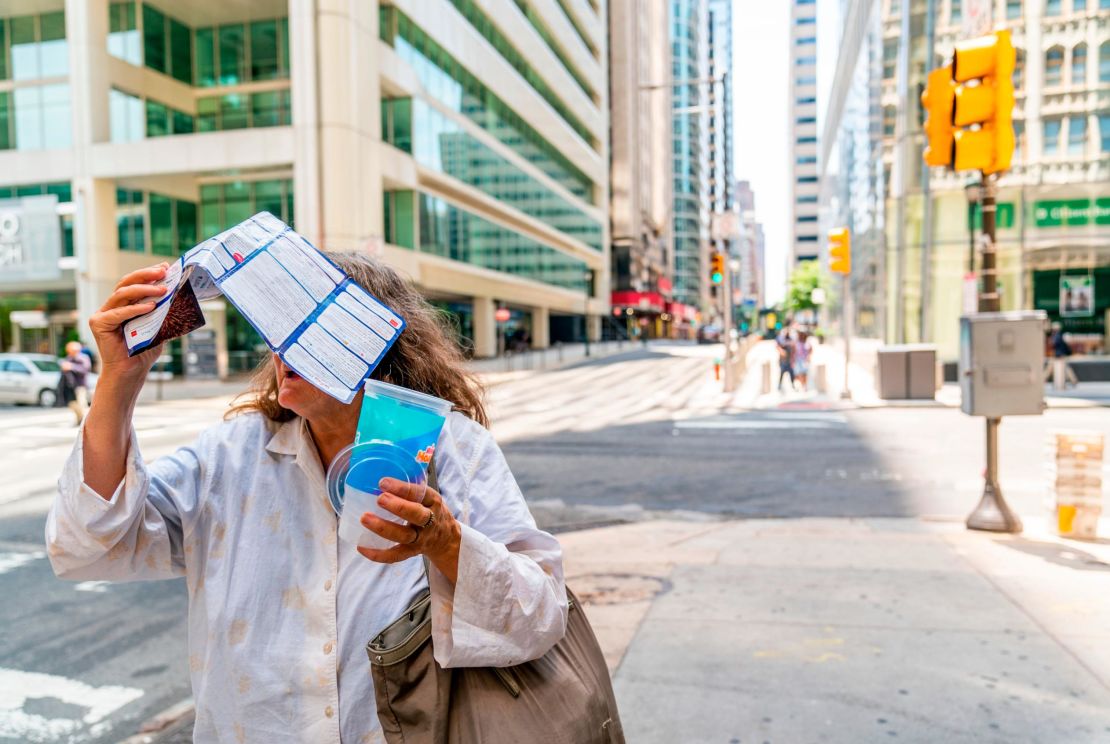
(802, 353)
(1059, 349)
(280, 612)
(786, 357)
(73, 389)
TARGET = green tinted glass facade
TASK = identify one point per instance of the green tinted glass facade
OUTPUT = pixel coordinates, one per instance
(440, 143)
(451, 232)
(456, 88)
(537, 22)
(225, 204)
(33, 47)
(172, 222)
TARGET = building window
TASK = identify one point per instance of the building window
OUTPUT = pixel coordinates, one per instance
(1079, 65)
(1104, 130)
(1078, 6)
(807, 238)
(890, 58)
(806, 140)
(808, 218)
(955, 12)
(1052, 136)
(806, 120)
(806, 60)
(123, 33)
(805, 159)
(1013, 9)
(805, 40)
(805, 21)
(807, 199)
(1104, 62)
(1019, 139)
(38, 117)
(890, 119)
(806, 99)
(1019, 68)
(1053, 67)
(227, 204)
(806, 80)
(807, 179)
(1052, 7)
(1077, 134)
(130, 211)
(37, 47)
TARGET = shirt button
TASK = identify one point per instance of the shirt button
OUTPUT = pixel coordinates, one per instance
(329, 712)
(328, 647)
(327, 585)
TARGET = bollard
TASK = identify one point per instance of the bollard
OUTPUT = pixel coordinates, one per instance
(820, 378)
(1059, 374)
(766, 387)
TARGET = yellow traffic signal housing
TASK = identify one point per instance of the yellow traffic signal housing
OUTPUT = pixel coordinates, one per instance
(937, 100)
(840, 251)
(983, 69)
(716, 267)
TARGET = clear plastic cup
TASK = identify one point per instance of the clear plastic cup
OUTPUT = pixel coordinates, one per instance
(397, 434)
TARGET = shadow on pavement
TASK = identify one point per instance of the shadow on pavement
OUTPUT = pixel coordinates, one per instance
(1067, 555)
(756, 464)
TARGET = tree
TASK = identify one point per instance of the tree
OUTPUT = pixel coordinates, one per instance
(803, 280)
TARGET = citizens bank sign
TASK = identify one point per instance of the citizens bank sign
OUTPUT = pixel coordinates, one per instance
(30, 240)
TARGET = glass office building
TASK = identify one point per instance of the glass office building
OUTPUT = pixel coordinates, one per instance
(466, 150)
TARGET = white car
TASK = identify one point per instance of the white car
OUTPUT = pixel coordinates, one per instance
(32, 378)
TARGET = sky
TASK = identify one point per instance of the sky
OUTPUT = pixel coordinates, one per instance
(760, 50)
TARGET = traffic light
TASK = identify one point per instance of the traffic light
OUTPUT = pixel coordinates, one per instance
(983, 103)
(840, 251)
(937, 100)
(716, 267)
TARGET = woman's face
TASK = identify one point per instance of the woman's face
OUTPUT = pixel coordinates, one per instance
(306, 400)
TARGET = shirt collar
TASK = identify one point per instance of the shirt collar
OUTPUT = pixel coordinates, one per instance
(293, 438)
(287, 439)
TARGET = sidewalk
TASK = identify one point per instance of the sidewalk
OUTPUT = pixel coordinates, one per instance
(849, 631)
(862, 384)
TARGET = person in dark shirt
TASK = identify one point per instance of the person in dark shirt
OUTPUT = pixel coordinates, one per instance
(75, 372)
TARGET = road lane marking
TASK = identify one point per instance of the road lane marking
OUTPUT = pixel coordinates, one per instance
(12, 561)
(18, 687)
(688, 424)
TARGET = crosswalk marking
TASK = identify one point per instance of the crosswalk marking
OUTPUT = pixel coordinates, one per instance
(18, 687)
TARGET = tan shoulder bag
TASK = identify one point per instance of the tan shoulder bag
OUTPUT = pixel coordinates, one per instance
(564, 697)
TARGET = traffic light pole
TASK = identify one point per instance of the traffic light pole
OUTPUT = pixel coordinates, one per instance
(993, 513)
(846, 329)
(726, 325)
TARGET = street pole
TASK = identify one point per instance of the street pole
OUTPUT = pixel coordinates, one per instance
(992, 514)
(586, 310)
(845, 328)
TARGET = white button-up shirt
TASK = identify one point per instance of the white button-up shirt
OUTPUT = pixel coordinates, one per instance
(280, 610)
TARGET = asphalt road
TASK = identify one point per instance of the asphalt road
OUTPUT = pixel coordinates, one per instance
(624, 438)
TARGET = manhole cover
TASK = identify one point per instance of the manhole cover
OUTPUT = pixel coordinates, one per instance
(616, 588)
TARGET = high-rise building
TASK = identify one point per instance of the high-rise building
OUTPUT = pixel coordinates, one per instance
(640, 166)
(1053, 202)
(750, 250)
(690, 218)
(467, 148)
(721, 181)
(804, 245)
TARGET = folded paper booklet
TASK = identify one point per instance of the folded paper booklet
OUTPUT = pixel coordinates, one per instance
(325, 327)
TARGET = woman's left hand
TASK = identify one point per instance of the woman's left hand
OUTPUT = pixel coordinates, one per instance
(431, 529)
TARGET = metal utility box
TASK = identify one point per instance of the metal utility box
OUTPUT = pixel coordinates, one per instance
(907, 371)
(1001, 363)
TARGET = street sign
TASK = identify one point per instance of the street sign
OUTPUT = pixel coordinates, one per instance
(30, 240)
(725, 226)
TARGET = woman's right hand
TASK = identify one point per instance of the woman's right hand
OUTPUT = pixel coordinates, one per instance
(135, 294)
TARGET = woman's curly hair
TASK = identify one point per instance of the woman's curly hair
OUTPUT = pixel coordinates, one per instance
(424, 358)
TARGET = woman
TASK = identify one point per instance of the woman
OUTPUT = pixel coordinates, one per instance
(802, 351)
(279, 610)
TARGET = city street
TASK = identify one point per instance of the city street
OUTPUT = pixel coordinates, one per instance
(644, 439)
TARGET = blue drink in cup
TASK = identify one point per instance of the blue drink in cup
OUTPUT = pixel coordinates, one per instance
(397, 434)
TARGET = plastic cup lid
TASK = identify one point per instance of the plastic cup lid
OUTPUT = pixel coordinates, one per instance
(363, 465)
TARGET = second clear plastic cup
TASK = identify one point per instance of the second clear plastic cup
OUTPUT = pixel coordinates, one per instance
(397, 434)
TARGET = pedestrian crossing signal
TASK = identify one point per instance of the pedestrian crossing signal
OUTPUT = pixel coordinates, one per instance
(840, 251)
(716, 267)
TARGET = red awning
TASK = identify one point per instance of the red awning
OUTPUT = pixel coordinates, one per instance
(648, 302)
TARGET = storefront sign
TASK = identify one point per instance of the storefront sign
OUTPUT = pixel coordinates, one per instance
(1072, 212)
(1003, 216)
(30, 240)
(1077, 296)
